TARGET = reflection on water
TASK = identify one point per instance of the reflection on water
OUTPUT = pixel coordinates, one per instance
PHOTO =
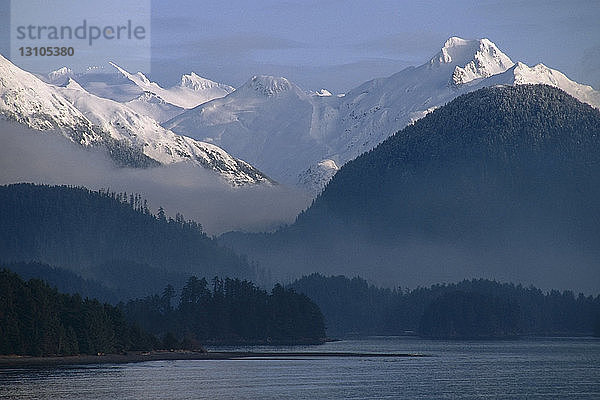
(529, 368)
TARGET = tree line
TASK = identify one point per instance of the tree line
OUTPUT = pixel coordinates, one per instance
(37, 320)
(471, 308)
(228, 311)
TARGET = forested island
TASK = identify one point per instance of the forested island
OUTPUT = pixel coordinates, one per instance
(229, 311)
(477, 308)
(37, 320)
(111, 238)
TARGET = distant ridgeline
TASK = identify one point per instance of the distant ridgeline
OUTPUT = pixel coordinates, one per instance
(229, 311)
(66, 281)
(110, 238)
(469, 309)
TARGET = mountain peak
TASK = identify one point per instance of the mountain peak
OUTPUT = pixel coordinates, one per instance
(196, 82)
(73, 84)
(268, 85)
(472, 59)
(137, 78)
(60, 76)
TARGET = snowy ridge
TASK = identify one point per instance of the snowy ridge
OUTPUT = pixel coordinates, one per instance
(192, 91)
(521, 74)
(140, 131)
(60, 76)
(154, 106)
(27, 100)
(94, 121)
(267, 120)
(198, 83)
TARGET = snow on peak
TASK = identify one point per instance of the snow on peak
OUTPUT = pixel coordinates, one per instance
(472, 59)
(72, 84)
(143, 77)
(149, 97)
(323, 93)
(522, 74)
(196, 82)
(267, 85)
(192, 91)
(60, 75)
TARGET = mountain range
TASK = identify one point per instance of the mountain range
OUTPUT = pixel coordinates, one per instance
(499, 183)
(457, 168)
(299, 137)
(132, 139)
(282, 132)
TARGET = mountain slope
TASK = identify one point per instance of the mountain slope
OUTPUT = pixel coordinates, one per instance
(143, 132)
(130, 138)
(500, 183)
(274, 134)
(267, 120)
(110, 238)
(29, 101)
(154, 106)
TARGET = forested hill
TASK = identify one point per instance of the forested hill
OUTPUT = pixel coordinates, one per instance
(509, 141)
(499, 183)
(112, 238)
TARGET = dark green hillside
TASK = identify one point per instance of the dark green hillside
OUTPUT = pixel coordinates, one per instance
(63, 280)
(507, 146)
(112, 238)
(502, 183)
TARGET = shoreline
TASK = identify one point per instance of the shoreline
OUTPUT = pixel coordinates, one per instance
(136, 357)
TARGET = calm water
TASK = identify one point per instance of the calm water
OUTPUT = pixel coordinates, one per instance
(524, 369)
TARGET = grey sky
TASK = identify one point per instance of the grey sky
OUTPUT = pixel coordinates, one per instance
(339, 44)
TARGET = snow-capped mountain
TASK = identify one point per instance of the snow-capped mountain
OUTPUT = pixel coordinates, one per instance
(267, 119)
(191, 92)
(131, 138)
(287, 132)
(27, 100)
(107, 83)
(154, 106)
(60, 76)
(521, 74)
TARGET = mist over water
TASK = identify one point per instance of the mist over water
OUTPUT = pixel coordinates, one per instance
(43, 157)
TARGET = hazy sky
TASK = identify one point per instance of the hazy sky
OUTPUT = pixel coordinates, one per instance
(338, 44)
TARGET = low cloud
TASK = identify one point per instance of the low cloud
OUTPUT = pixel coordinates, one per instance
(42, 157)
